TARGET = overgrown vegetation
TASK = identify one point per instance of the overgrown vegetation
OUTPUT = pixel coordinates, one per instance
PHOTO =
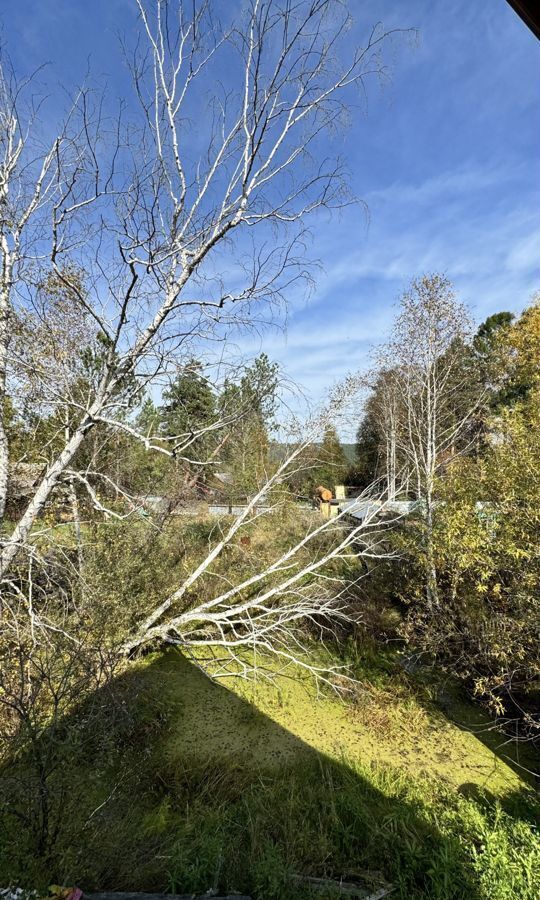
(184, 784)
(153, 490)
(471, 584)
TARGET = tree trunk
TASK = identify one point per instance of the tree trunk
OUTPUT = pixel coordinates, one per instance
(392, 465)
(35, 507)
(74, 502)
(4, 339)
(432, 590)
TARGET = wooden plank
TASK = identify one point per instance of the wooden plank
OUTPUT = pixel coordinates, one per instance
(345, 888)
(139, 895)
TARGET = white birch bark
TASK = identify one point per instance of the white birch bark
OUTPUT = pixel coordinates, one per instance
(5, 287)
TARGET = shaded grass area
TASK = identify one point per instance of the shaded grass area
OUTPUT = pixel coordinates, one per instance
(190, 784)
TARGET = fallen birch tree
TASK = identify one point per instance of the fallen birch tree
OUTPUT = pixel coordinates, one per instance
(163, 245)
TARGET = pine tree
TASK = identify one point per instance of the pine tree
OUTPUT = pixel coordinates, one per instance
(251, 403)
(332, 463)
(190, 408)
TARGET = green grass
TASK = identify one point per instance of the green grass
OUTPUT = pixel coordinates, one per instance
(192, 784)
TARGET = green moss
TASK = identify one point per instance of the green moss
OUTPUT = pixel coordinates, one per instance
(388, 725)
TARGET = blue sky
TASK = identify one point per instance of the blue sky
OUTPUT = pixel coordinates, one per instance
(446, 158)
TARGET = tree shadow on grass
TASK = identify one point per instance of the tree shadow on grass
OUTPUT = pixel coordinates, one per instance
(523, 757)
(183, 785)
(447, 701)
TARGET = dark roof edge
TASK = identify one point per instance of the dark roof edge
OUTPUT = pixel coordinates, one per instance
(529, 12)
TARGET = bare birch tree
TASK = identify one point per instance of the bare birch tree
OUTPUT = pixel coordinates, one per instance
(26, 187)
(429, 401)
(183, 232)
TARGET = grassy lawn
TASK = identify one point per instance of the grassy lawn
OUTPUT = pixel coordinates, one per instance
(234, 786)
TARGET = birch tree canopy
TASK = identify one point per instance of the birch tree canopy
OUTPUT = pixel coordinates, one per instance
(167, 226)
